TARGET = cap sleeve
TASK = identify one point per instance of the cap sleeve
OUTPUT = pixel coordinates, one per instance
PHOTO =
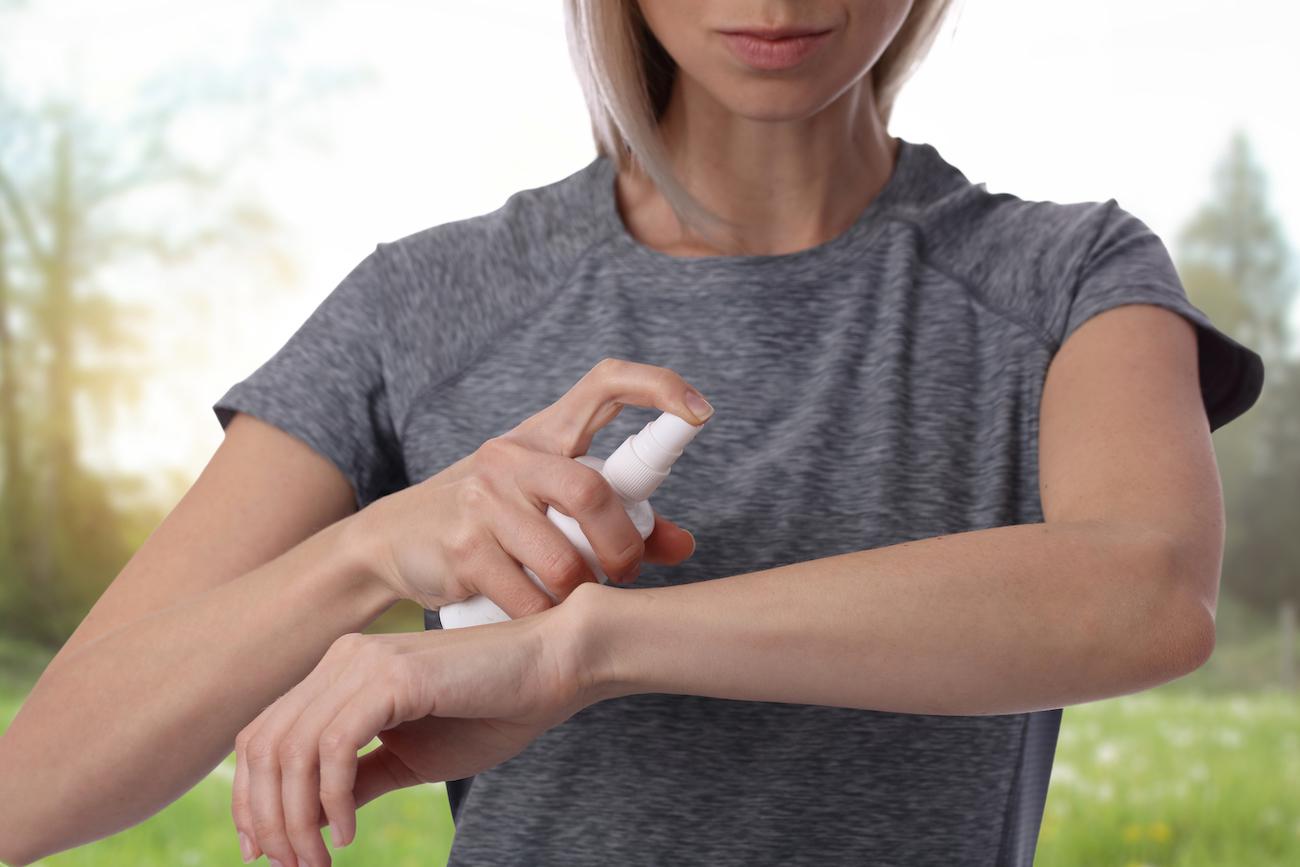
(1127, 263)
(327, 385)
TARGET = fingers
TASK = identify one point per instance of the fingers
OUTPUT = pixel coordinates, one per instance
(496, 575)
(567, 426)
(256, 799)
(583, 494)
(241, 809)
(344, 728)
(319, 765)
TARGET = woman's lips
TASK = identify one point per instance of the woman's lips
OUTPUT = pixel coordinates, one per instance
(782, 53)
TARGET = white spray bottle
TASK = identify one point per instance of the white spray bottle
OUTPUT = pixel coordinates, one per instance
(634, 470)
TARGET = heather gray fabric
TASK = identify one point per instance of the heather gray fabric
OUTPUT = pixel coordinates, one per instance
(895, 373)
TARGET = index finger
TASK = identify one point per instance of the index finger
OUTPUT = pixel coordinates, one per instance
(568, 426)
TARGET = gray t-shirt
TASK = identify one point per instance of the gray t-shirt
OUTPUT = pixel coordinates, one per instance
(895, 373)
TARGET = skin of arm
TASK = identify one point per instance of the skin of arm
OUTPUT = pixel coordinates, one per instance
(161, 700)
(1113, 593)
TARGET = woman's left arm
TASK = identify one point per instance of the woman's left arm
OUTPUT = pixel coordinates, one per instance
(1113, 593)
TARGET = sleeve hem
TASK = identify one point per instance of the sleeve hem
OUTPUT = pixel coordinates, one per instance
(1231, 374)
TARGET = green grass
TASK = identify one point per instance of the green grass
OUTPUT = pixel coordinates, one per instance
(408, 828)
(1173, 777)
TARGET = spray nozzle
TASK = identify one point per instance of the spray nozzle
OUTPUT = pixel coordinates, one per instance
(641, 463)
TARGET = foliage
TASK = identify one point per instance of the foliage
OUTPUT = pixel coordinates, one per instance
(1237, 267)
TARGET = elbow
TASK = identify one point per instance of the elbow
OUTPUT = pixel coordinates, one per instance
(1197, 642)
(1182, 621)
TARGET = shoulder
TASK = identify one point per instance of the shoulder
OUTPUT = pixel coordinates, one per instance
(1020, 256)
(532, 238)
(455, 285)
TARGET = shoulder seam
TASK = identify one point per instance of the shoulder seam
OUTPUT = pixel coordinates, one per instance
(1110, 205)
(1027, 326)
(473, 356)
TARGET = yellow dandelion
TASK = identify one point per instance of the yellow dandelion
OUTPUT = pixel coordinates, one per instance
(1132, 833)
(1159, 831)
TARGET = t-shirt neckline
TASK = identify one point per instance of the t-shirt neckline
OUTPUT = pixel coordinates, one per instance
(631, 251)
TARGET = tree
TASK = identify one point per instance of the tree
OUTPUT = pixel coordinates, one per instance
(65, 342)
(1235, 263)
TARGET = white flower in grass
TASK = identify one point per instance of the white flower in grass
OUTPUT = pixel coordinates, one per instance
(1107, 753)
(1064, 774)
(1229, 737)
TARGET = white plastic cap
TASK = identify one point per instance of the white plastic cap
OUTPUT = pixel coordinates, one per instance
(638, 466)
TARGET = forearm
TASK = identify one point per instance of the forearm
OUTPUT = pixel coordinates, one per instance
(995, 621)
(136, 717)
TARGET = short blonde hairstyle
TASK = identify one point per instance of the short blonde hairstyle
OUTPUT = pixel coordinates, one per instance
(627, 77)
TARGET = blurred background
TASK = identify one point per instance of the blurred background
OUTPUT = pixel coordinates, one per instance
(181, 185)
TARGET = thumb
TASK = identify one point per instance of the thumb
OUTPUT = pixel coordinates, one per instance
(668, 543)
(378, 773)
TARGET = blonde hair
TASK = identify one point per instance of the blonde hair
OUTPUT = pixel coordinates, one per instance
(627, 77)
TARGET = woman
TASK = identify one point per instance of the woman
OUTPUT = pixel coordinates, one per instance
(961, 476)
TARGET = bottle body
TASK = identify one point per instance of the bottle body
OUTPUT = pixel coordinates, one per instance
(634, 470)
(477, 610)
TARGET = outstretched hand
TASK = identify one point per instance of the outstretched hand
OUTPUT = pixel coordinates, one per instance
(446, 704)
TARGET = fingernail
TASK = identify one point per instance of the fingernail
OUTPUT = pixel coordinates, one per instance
(335, 836)
(274, 863)
(696, 403)
(245, 847)
(692, 535)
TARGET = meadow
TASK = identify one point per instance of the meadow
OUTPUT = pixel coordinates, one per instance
(1172, 776)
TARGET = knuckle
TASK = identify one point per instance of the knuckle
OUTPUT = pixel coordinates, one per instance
(535, 605)
(270, 835)
(303, 831)
(260, 751)
(293, 751)
(473, 493)
(629, 557)
(564, 563)
(609, 366)
(464, 541)
(496, 449)
(585, 491)
(333, 743)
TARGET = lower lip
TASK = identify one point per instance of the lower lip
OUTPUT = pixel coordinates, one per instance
(774, 53)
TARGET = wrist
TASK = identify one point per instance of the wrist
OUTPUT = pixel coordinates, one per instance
(362, 552)
(590, 626)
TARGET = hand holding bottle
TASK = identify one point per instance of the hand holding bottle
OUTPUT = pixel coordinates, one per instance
(470, 529)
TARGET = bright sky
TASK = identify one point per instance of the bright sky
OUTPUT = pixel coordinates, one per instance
(471, 102)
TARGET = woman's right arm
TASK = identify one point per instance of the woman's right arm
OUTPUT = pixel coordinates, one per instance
(231, 601)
